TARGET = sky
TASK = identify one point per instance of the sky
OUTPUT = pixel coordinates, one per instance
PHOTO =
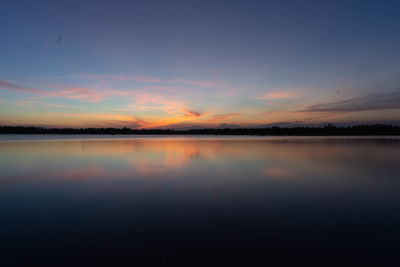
(190, 64)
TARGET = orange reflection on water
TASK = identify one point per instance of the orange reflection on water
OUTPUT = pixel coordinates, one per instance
(161, 156)
(145, 157)
(82, 173)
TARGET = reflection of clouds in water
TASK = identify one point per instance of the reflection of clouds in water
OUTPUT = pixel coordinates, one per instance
(132, 168)
(173, 156)
(277, 173)
(323, 157)
(145, 167)
(179, 157)
(6, 182)
(350, 157)
(164, 159)
(82, 173)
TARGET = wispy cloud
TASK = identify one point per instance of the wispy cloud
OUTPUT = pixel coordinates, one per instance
(384, 101)
(223, 117)
(276, 95)
(79, 93)
(148, 79)
(145, 101)
(6, 85)
(97, 120)
(190, 113)
(38, 102)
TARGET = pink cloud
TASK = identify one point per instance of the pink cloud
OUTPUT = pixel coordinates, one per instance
(79, 93)
(157, 101)
(5, 85)
(277, 95)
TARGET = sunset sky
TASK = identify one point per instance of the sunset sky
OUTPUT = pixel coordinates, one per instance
(187, 64)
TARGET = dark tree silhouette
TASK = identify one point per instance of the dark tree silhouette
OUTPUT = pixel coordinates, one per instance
(329, 129)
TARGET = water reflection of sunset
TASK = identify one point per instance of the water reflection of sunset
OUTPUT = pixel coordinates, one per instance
(179, 158)
(188, 186)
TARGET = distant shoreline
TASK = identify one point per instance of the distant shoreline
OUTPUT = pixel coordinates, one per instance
(328, 130)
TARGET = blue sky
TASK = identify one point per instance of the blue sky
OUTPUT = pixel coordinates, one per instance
(198, 63)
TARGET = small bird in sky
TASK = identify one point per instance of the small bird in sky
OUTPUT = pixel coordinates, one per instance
(59, 39)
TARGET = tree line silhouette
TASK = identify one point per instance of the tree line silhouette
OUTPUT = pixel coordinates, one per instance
(329, 129)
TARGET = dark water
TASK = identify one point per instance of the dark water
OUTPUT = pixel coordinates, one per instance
(199, 200)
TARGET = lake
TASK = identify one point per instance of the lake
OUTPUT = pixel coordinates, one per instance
(154, 199)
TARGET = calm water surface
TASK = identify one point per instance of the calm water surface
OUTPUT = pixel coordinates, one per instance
(192, 199)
